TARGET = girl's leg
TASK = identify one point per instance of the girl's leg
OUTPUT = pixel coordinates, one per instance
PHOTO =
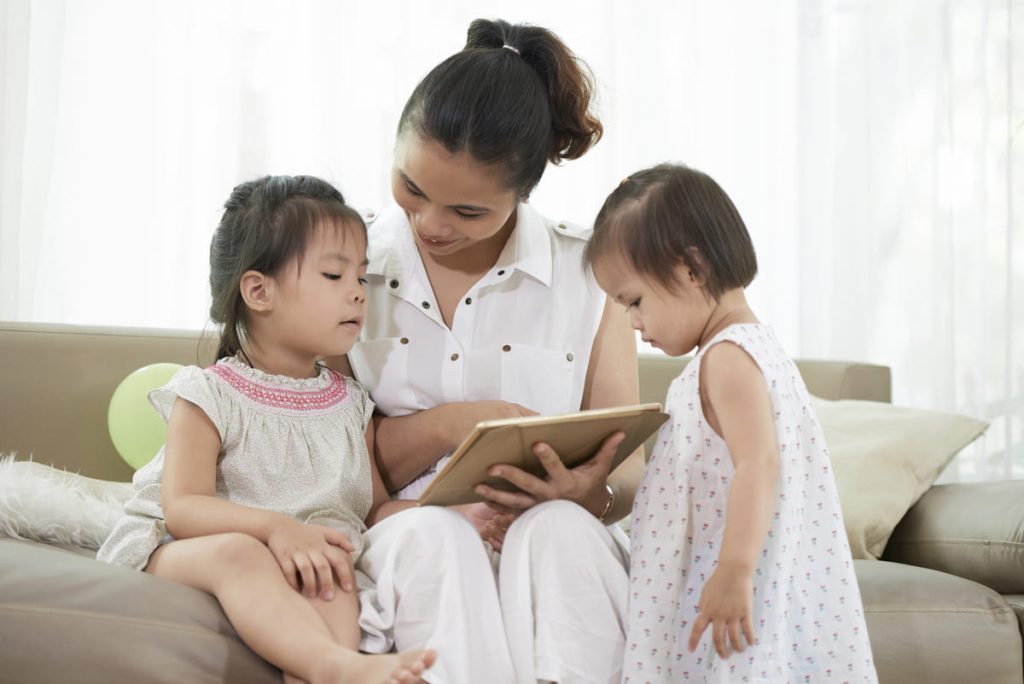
(273, 619)
(432, 586)
(564, 584)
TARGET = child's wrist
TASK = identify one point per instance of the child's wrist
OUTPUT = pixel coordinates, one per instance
(735, 567)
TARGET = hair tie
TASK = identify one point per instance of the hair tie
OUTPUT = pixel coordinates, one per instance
(509, 47)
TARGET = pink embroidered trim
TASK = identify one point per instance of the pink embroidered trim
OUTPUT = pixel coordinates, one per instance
(292, 400)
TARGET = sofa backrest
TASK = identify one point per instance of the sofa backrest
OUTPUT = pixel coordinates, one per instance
(57, 381)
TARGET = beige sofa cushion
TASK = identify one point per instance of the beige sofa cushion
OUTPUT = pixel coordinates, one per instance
(65, 617)
(974, 530)
(885, 457)
(929, 627)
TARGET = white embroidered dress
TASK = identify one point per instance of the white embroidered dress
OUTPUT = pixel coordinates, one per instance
(808, 617)
(295, 446)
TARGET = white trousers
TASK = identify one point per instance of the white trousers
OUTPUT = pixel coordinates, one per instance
(559, 616)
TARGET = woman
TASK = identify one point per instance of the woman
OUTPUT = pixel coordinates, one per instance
(479, 308)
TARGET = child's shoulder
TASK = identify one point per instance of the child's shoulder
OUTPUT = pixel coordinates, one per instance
(730, 366)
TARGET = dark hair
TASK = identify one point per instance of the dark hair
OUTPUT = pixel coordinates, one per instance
(266, 223)
(671, 214)
(520, 110)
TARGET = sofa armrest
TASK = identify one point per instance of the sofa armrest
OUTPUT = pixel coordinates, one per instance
(974, 530)
(837, 380)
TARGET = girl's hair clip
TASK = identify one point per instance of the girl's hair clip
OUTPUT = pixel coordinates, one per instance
(509, 47)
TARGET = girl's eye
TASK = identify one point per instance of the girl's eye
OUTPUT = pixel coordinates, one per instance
(467, 216)
(635, 302)
(362, 281)
(332, 276)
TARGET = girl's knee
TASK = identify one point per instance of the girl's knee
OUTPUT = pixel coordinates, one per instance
(239, 550)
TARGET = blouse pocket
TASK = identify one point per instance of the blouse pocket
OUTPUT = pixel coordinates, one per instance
(382, 366)
(538, 378)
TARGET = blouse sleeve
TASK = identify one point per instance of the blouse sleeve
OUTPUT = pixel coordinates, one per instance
(193, 385)
(361, 401)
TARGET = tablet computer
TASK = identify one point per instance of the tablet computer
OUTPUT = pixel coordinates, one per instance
(575, 437)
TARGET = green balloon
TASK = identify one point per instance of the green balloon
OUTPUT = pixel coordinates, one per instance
(136, 429)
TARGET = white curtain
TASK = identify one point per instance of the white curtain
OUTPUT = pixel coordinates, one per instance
(874, 148)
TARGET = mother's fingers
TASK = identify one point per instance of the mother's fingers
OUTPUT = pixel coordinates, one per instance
(509, 501)
(603, 458)
(552, 463)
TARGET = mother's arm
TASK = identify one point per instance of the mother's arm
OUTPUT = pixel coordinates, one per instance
(405, 446)
(613, 380)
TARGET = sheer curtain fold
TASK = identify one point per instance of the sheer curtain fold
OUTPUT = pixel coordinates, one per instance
(874, 148)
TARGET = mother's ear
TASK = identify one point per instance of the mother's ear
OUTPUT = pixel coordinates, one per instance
(257, 291)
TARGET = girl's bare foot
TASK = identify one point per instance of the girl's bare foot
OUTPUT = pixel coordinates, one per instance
(357, 668)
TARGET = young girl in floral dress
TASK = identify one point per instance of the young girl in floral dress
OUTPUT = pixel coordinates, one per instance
(740, 567)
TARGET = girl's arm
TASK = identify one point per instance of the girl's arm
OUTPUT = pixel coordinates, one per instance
(405, 446)
(307, 554)
(189, 485)
(740, 410)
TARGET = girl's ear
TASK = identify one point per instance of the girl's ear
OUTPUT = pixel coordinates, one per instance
(257, 291)
(695, 275)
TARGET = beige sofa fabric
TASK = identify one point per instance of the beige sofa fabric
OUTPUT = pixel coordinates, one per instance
(929, 627)
(58, 380)
(65, 617)
(971, 530)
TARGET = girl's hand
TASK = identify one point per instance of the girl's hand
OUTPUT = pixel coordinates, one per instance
(584, 484)
(307, 555)
(727, 605)
(491, 525)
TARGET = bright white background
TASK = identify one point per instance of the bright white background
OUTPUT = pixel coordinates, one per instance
(874, 148)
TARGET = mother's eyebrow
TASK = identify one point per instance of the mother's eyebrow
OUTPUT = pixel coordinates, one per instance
(464, 207)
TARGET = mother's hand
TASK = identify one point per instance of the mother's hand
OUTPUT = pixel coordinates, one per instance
(584, 484)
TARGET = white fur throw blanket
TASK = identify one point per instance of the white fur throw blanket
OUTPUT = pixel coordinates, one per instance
(45, 504)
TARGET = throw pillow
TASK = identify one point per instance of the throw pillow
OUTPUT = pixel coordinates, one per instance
(45, 504)
(884, 458)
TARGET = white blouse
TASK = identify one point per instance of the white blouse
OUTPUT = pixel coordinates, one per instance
(523, 333)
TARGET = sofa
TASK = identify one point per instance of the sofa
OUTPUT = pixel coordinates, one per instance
(66, 617)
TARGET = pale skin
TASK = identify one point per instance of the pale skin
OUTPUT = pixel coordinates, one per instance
(735, 401)
(305, 620)
(462, 214)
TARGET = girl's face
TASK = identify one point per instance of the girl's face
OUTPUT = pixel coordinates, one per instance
(320, 301)
(670, 320)
(452, 201)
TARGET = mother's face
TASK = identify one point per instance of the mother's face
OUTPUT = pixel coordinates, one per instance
(452, 201)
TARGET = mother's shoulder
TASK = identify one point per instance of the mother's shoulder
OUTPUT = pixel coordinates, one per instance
(557, 227)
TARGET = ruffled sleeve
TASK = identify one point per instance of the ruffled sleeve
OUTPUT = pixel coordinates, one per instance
(361, 401)
(193, 385)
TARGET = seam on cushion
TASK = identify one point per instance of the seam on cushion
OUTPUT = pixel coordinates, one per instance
(953, 611)
(106, 617)
(962, 541)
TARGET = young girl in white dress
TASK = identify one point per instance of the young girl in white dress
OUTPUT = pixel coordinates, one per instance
(740, 567)
(263, 490)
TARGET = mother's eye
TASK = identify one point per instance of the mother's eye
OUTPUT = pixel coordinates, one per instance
(411, 189)
(332, 276)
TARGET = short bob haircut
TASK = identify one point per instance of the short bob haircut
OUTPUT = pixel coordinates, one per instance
(670, 214)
